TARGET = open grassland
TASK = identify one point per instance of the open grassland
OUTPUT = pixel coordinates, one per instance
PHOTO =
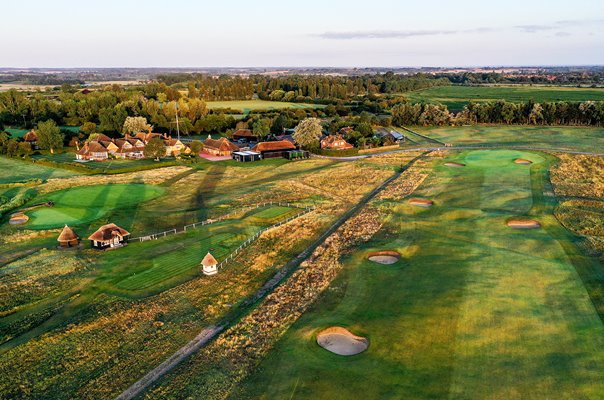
(109, 323)
(18, 171)
(80, 205)
(108, 166)
(474, 309)
(568, 138)
(247, 106)
(456, 97)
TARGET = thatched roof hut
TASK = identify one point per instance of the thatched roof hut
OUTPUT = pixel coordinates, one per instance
(109, 235)
(209, 264)
(68, 238)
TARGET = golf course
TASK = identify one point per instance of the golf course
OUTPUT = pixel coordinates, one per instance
(473, 308)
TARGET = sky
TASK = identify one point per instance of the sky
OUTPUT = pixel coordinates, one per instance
(309, 33)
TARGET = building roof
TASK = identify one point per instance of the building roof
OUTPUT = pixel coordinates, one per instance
(30, 136)
(102, 138)
(95, 147)
(274, 146)
(222, 144)
(107, 232)
(244, 133)
(208, 260)
(67, 235)
(335, 142)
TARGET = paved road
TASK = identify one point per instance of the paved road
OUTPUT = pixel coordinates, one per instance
(210, 332)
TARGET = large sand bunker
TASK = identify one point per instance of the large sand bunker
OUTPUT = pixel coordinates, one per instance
(384, 257)
(341, 341)
(421, 203)
(18, 219)
(523, 224)
(522, 161)
(454, 164)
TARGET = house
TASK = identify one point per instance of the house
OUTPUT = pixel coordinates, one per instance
(109, 236)
(93, 150)
(246, 156)
(273, 149)
(390, 135)
(110, 146)
(345, 130)
(287, 137)
(209, 265)
(244, 134)
(31, 137)
(220, 147)
(335, 142)
(67, 238)
(174, 147)
(127, 150)
(99, 137)
(145, 137)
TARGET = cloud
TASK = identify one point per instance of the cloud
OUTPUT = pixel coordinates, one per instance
(563, 34)
(558, 25)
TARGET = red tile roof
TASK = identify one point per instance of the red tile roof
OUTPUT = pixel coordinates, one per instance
(221, 144)
(244, 133)
(31, 136)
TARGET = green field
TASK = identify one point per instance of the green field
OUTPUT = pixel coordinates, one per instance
(455, 97)
(540, 137)
(103, 166)
(247, 106)
(14, 170)
(79, 205)
(473, 310)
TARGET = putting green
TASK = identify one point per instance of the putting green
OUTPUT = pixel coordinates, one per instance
(83, 204)
(473, 310)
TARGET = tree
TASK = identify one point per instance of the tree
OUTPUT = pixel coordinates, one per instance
(12, 148)
(88, 128)
(196, 147)
(262, 128)
(155, 149)
(24, 149)
(134, 125)
(49, 136)
(308, 133)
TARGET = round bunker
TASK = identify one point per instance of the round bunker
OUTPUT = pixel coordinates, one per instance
(454, 164)
(18, 219)
(385, 257)
(523, 161)
(523, 224)
(425, 203)
(341, 341)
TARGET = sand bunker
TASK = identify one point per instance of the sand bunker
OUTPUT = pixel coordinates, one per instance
(523, 224)
(421, 203)
(341, 341)
(454, 164)
(386, 257)
(18, 219)
(522, 161)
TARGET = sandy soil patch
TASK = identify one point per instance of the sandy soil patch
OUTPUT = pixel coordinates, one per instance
(523, 161)
(18, 219)
(523, 224)
(454, 164)
(385, 257)
(341, 341)
(421, 203)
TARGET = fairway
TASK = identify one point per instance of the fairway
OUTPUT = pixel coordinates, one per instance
(540, 137)
(246, 106)
(472, 310)
(456, 97)
(78, 205)
(18, 171)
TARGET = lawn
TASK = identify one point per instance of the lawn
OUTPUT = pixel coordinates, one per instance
(455, 97)
(102, 166)
(542, 137)
(247, 106)
(474, 309)
(14, 170)
(79, 205)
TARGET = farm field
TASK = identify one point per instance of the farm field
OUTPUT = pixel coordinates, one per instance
(504, 315)
(456, 97)
(568, 138)
(247, 106)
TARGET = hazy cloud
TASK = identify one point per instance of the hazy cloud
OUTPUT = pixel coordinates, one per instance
(563, 34)
(558, 25)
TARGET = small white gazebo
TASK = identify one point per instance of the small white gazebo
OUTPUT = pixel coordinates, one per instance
(209, 264)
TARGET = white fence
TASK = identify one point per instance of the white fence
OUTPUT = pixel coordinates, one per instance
(155, 236)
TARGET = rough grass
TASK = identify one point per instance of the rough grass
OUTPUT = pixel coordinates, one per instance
(79, 205)
(473, 309)
(455, 97)
(569, 138)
